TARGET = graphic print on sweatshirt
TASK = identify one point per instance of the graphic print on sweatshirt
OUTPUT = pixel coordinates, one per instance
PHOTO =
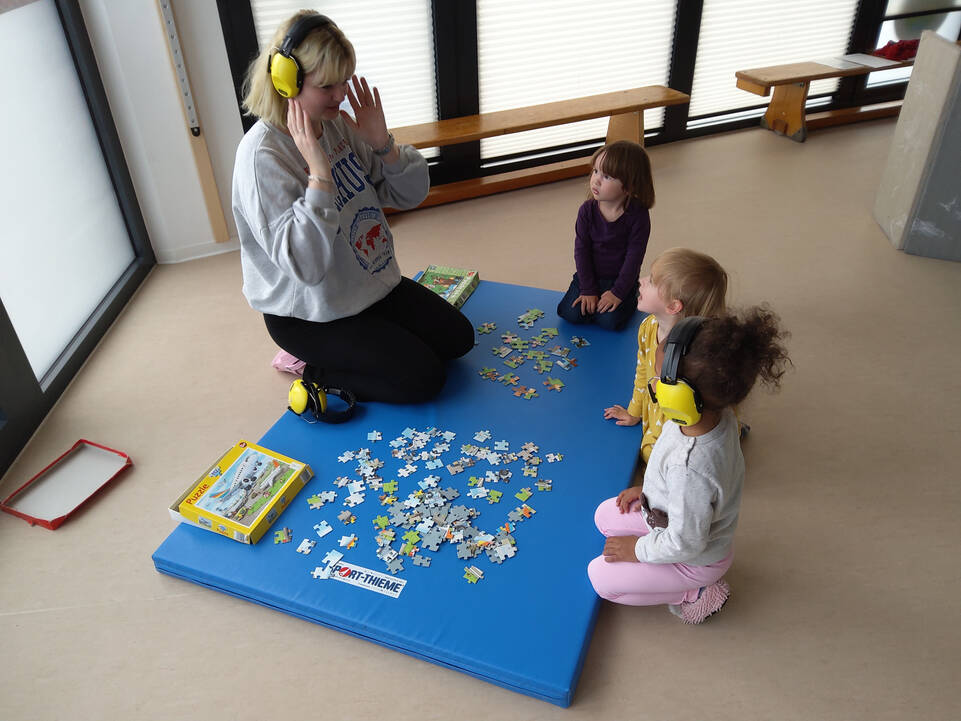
(369, 235)
(370, 240)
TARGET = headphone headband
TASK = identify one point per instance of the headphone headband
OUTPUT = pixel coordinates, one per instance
(677, 345)
(300, 30)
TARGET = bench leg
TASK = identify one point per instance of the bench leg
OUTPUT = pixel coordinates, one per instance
(627, 126)
(785, 114)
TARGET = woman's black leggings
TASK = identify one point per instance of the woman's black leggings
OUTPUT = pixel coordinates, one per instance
(394, 351)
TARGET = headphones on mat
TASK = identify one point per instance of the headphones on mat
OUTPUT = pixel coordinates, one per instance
(677, 397)
(284, 70)
(311, 399)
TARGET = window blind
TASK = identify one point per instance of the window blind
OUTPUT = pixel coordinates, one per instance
(531, 53)
(744, 34)
(394, 47)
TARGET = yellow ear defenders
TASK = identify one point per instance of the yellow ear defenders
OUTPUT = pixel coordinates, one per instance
(284, 70)
(677, 397)
(309, 401)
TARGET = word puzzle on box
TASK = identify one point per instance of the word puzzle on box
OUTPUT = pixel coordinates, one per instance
(449, 530)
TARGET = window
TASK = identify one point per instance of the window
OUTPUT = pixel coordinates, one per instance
(744, 34)
(529, 53)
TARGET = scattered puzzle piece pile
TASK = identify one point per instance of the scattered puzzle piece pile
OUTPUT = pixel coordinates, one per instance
(430, 515)
(515, 351)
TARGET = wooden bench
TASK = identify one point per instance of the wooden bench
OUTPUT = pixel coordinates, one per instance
(786, 113)
(625, 109)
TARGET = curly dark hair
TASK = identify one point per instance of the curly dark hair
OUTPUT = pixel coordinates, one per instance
(730, 353)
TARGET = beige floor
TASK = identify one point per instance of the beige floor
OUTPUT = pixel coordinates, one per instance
(846, 585)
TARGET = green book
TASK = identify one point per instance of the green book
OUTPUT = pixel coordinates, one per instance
(452, 284)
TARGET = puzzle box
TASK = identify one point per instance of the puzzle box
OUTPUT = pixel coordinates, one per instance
(452, 284)
(243, 493)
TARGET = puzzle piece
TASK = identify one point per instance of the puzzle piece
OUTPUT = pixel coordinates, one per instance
(306, 546)
(501, 445)
(421, 561)
(485, 328)
(488, 373)
(494, 496)
(560, 351)
(523, 494)
(389, 487)
(543, 485)
(501, 351)
(321, 572)
(543, 366)
(348, 541)
(318, 500)
(333, 557)
(514, 361)
(473, 574)
(381, 522)
(396, 565)
(323, 528)
(579, 342)
(482, 436)
(554, 457)
(346, 456)
(554, 384)
(374, 436)
(284, 535)
(354, 499)
(346, 517)
(566, 363)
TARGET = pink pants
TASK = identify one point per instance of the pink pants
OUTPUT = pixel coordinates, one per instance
(645, 584)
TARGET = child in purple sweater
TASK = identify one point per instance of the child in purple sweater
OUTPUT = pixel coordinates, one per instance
(610, 238)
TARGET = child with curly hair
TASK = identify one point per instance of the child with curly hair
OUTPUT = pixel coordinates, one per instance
(672, 543)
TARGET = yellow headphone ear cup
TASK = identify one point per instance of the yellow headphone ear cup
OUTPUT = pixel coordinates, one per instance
(297, 397)
(322, 399)
(678, 402)
(285, 75)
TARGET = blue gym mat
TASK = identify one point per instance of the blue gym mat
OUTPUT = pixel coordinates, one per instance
(525, 625)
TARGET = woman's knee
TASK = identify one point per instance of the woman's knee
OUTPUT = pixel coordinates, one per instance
(418, 382)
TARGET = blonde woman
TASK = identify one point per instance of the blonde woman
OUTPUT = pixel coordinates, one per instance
(316, 251)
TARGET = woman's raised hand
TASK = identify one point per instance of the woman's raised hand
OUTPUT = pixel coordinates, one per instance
(301, 129)
(368, 121)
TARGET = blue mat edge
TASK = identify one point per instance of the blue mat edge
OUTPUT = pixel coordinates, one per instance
(563, 699)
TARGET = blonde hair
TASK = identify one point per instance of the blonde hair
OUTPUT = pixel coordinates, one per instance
(695, 279)
(628, 162)
(325, 51)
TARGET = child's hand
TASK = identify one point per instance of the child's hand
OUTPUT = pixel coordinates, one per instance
(620, 548)
(608, 302)
(623, 417)
(588, 304)
(627, 498)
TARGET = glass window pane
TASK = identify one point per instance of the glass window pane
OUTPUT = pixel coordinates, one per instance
(947, 25)
(394, 47)
(531, 53)
(63, 240)
(745, 34)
